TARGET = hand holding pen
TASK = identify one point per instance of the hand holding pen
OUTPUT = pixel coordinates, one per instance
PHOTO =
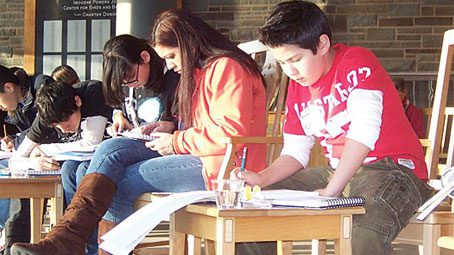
(43, 161)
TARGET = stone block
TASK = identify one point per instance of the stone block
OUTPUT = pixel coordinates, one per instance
(427, 67)
(395, 22)
(444, 11)
(389, 53)
(348, 37)
(381, 34)
(420, 51)
(408, 37)
(399, 65)
(414, 30)
(338, 23)
(216, 16)
(411, 9)
(432, 41)
(433, 21)
(362, 20)
(7, 32)
(427, 11)
(195, 6)
(437, 2)
(427, 58)
(362, 9)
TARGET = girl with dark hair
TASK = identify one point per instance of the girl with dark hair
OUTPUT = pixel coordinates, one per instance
(221, 93)
(17, 98)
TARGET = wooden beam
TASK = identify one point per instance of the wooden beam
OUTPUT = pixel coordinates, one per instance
(29, 36)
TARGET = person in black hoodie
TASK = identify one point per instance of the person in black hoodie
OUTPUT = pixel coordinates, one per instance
(17, 98)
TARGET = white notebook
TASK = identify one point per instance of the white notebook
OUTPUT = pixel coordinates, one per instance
(73, 155)
(137, 136)
(321, 203)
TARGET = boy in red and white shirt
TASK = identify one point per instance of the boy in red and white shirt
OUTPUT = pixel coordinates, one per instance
(343, 96)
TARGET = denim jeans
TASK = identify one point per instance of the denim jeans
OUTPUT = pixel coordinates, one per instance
(4, 202)
(393, 194)
(72, 173)
(4, 211)
(136, 170)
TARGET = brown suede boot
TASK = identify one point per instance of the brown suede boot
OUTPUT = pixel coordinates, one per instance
(70, 234)
(104, 226)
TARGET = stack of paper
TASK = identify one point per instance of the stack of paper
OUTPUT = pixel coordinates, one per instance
(125, 236)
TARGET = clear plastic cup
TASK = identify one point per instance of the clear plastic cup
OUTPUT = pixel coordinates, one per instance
(18, 167)
(228, 193)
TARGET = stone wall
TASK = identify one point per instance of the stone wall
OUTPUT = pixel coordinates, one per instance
(11, 32)
(406, 35)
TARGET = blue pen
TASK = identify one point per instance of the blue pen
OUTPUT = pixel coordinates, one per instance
(243, 159)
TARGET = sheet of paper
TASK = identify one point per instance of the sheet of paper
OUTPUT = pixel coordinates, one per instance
(140, 223)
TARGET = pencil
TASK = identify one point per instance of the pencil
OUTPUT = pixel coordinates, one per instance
(243, 159)
(4, 130)
(41, 151)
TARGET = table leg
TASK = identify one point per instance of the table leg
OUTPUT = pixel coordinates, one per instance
(431, 233)
(177, 244)
(284, 247)
(36, 218)
(225, 236)
(343, 245)
(57, 205)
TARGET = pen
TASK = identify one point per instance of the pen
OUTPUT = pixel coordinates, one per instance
(41, 151)
(243, 159)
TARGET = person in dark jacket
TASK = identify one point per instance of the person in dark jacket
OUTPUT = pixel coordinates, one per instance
(17, 98)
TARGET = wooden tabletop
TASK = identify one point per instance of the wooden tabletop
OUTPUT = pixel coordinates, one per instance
(38, 179)
(212, 210)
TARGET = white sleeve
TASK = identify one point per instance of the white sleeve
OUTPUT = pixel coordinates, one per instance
(298, 146)
(365, 108)
(92, 134)
(25, 148)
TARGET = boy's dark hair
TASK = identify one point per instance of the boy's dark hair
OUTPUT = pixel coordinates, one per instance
(55, 103)
(297, 23)
(7, 76)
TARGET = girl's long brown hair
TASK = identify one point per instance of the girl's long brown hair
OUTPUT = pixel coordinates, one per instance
(199, 44)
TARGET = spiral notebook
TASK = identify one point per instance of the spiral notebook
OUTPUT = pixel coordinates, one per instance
(137, 136)
(35, 173)
(321, 203)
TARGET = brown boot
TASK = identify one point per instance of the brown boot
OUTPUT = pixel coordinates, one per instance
(104, 226)
(70, 234)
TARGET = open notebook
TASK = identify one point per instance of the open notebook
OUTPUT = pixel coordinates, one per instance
(137, 136)
(321, 203)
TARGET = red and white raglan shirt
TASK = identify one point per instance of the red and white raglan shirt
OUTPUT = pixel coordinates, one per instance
(357, 100)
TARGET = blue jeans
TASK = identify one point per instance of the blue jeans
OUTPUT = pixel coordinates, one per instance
(4, 211)
(392, 192)
(72, 173)
(137, 170)
(4, 202)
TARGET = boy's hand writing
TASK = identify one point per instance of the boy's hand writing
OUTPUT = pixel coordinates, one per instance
(45, 163)
(7, 144)
(163, 144)
(251, 178)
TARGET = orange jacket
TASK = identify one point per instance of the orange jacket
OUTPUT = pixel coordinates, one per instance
(228, 101)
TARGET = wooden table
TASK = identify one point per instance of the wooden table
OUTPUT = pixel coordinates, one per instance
(226, 227)
(36, 189)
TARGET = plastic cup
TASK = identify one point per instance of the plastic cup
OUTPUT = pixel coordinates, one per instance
(18, 167)
(228, 193)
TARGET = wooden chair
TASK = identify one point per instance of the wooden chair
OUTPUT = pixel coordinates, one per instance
(438, 223)
(276, 84)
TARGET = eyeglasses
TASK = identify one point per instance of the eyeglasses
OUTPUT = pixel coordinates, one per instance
(133, 81)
